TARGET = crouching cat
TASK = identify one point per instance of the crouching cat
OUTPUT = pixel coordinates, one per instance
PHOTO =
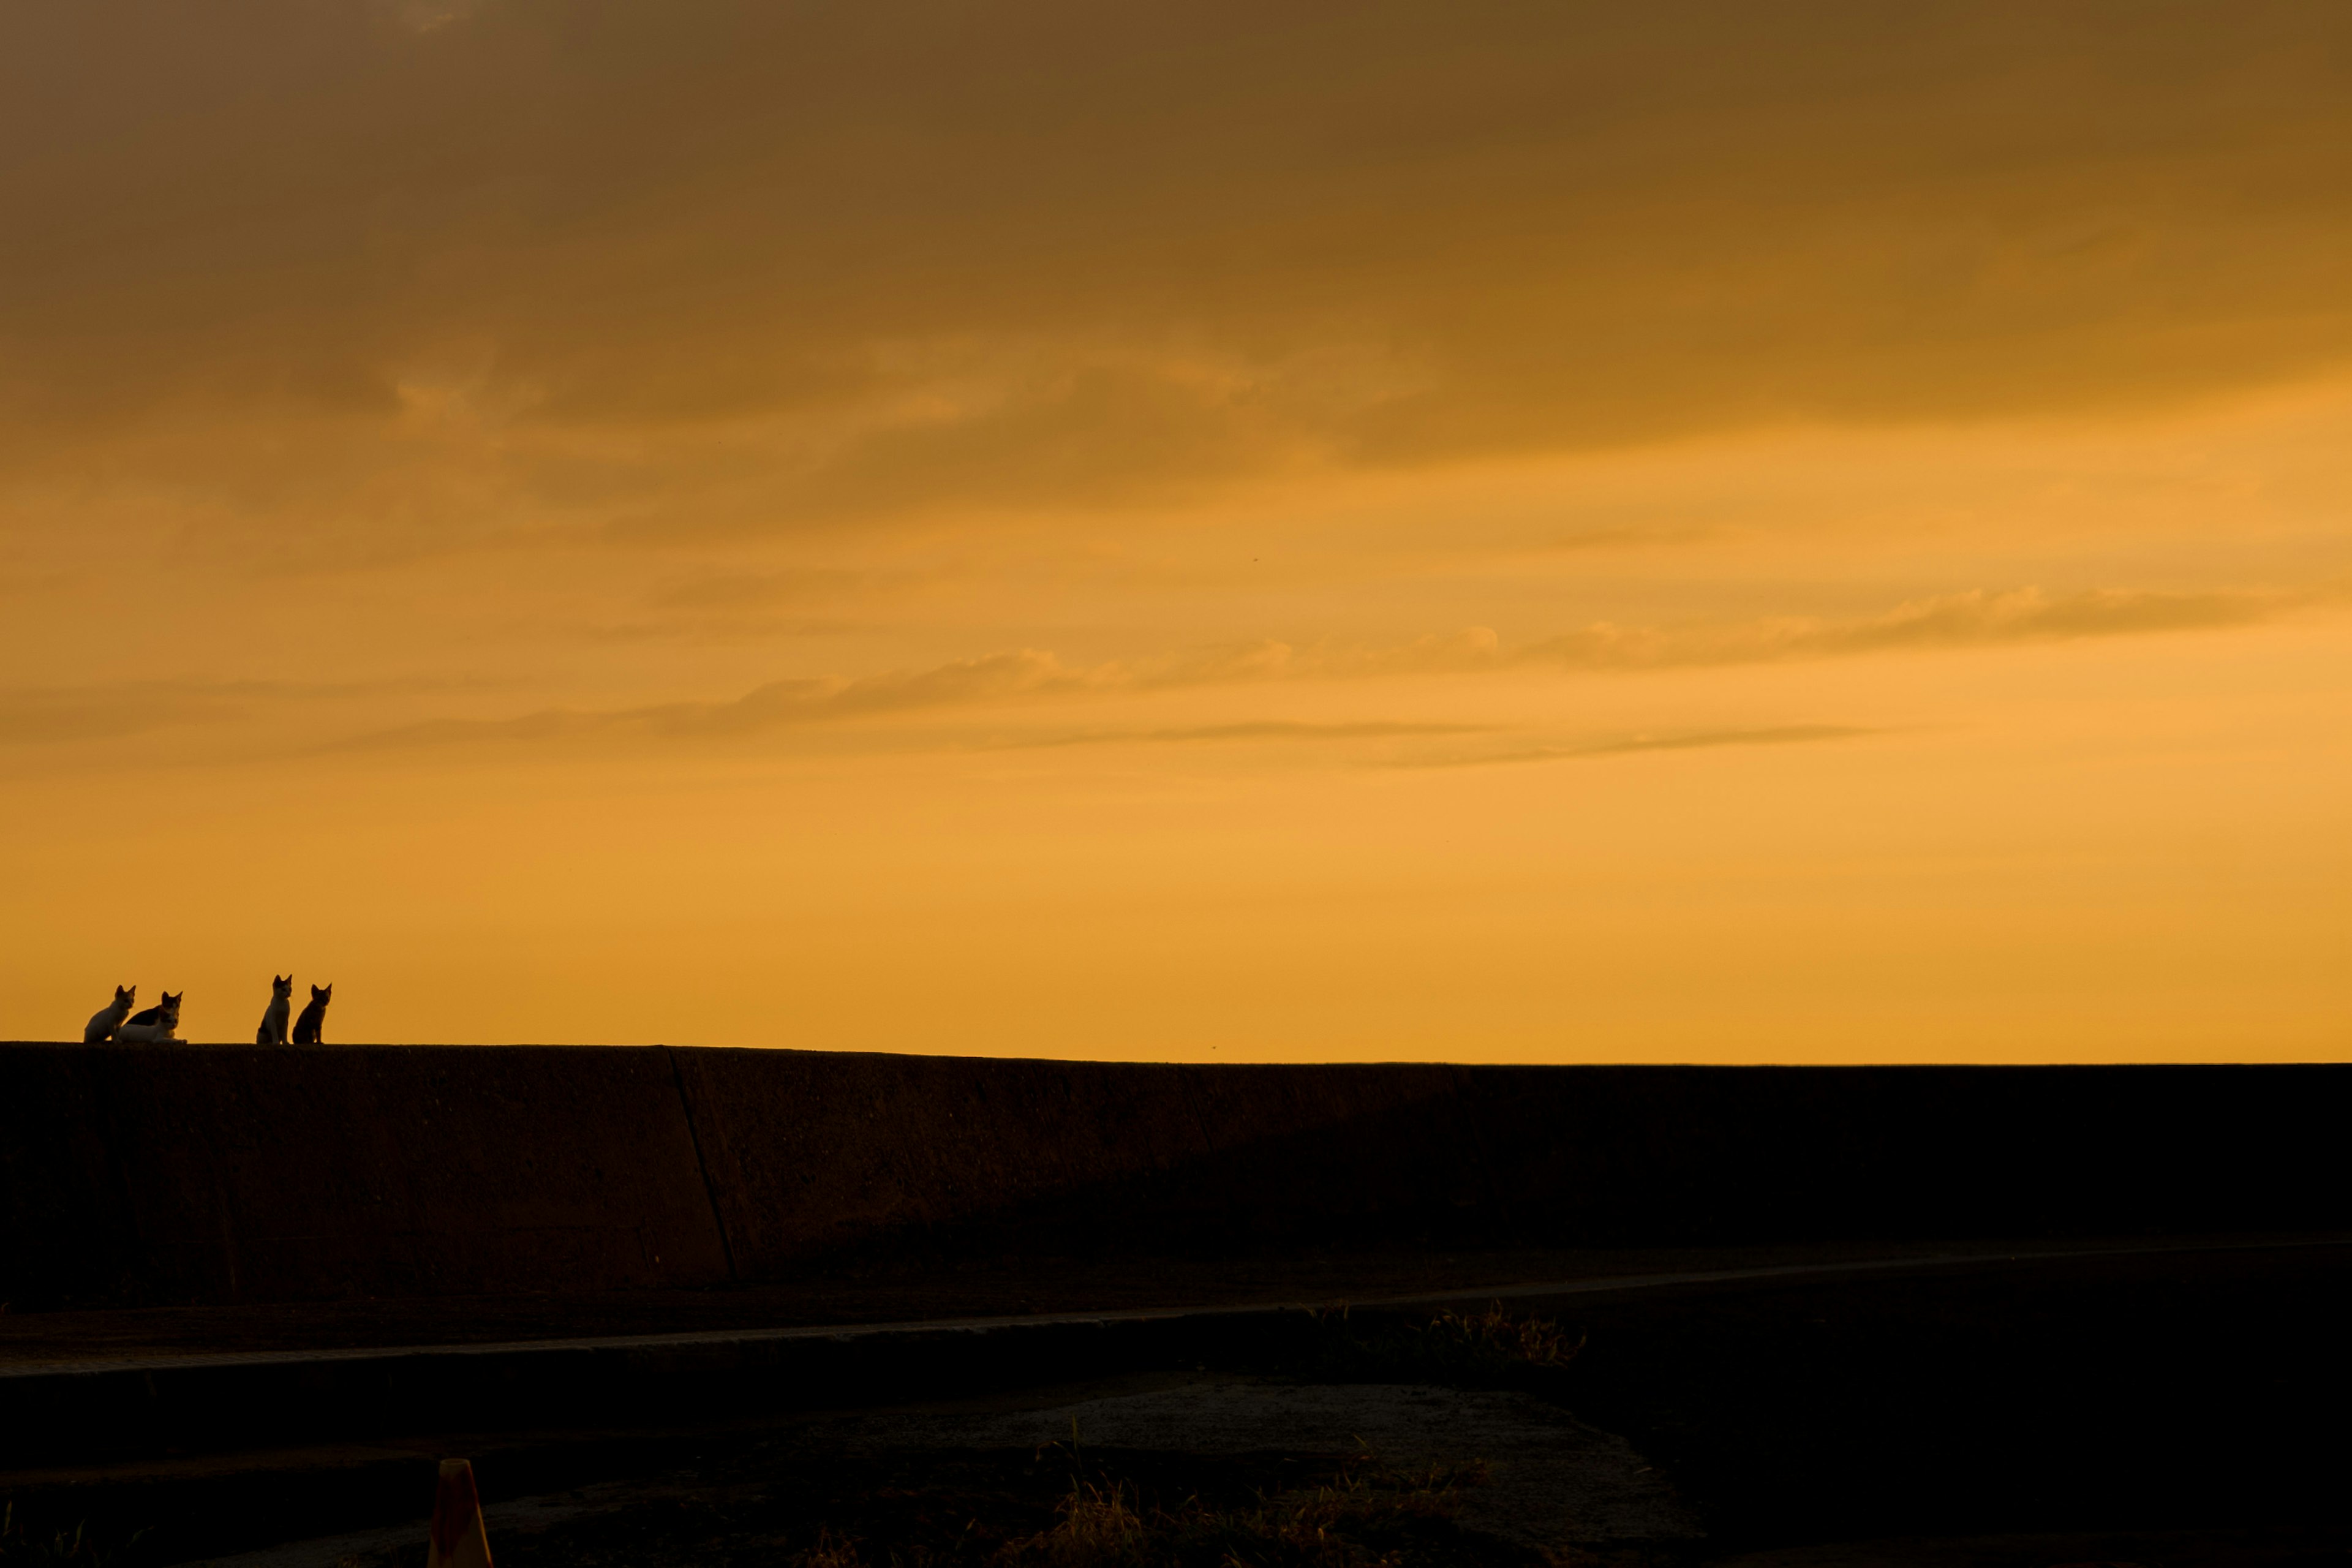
(273, 1022)
(156, 1024)
(108, 1018)
(313, 1020)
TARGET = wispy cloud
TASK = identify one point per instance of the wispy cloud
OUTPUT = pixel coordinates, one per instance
(1972, 620)
(39, 715)
(1271, 730)
(1024, 672)
(34, 716)
(1677, 741)
(1977, 618)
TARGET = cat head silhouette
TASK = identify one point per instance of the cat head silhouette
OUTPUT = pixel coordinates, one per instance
(171, 1002)
(280, 989)
(318, 993)
(125, 995)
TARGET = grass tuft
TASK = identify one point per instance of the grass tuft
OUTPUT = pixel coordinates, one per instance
(58, 1549)
(1492, 1348)
(1366, 1516)
(1096, 1527)
(1495, 1334)
(831, 1550)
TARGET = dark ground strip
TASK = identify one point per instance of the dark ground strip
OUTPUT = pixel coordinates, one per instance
(2193, 1398)
(903, 1291)
(896, 1288)
(2157, 1391)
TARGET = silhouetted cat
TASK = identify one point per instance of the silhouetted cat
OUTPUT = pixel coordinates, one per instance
(156, 1024)
(314, 1016)
(106, 1019)
(273, 1022)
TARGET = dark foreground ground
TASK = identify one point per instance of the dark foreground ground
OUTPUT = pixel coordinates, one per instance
(898, 1286)
(2178, 1408)
(2161, 1391)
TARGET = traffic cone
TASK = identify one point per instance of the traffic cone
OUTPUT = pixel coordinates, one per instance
(458, 1541)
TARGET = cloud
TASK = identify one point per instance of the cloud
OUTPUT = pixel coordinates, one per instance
(735, 591)
(1972, 620)
(781, 703)
(420, 268)
(36, 716)
(1094, 434)
(1680, 741)
(1976, 618)
(1267, 729)
(54, 715)
(715, 605)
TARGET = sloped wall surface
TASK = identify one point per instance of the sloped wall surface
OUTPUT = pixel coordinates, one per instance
(174, 1173)
(809, 1152)
(171, 1173)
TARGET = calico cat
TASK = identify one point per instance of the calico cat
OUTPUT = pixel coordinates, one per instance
(314, 1017)
(106, 1020)
(156, 1024)
(273, 1022)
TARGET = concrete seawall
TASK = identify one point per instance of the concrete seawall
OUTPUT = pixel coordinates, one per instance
(193, 1174)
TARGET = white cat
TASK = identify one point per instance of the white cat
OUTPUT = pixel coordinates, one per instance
(273, 1023)
(156, 1024)
(106, 1019)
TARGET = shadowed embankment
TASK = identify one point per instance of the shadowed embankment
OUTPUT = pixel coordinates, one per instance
(184, 1174)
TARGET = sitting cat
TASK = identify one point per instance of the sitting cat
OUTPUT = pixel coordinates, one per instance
(273, 1022)
(106, 1019)
(156, 1024)
(314, 1016)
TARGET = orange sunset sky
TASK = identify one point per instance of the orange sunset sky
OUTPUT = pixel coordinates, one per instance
(1528, 532)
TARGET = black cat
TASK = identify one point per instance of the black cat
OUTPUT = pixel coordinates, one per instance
(314, 1016)
(154, 1024)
